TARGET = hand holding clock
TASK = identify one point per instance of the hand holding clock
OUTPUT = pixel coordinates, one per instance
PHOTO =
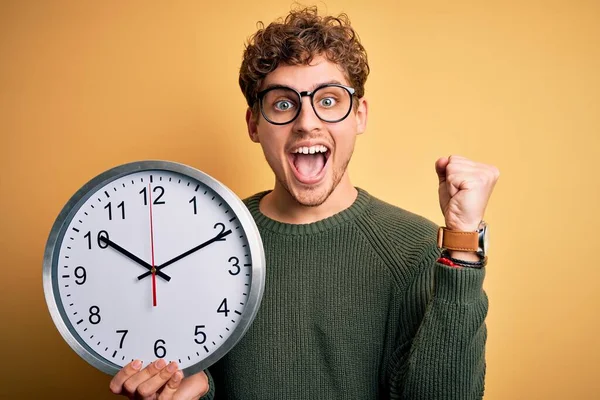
(159, 380)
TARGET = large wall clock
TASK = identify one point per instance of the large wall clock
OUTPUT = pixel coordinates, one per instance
(153, 259)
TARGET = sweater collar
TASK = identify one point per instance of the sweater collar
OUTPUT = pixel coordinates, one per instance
(348, 214)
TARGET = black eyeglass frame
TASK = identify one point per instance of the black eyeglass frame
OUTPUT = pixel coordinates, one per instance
(351, 91)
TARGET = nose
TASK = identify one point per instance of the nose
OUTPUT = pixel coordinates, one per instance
(307, 121)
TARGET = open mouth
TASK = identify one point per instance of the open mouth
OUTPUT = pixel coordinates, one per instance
(309, 163)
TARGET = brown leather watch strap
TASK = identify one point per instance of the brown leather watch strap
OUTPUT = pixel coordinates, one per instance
(456, 240)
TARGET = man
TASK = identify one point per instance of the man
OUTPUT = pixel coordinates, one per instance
(358, 303)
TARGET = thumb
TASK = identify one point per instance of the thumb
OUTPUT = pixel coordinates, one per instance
(193, 387)
(440, 168)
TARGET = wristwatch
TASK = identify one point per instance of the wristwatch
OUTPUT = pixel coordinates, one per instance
(476, 242)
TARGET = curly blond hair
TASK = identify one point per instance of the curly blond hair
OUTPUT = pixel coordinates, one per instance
(295, 40)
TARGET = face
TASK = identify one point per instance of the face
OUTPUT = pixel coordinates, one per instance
(308, 178)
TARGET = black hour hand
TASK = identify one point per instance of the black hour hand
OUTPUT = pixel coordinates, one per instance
(133, 257)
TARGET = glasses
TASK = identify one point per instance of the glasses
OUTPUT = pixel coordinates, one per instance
(281, 105)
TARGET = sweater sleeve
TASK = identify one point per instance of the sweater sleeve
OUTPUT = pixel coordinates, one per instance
(442, 353)
(210, 395)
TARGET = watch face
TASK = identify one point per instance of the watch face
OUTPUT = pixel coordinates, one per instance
(153, 260)
(483, 239)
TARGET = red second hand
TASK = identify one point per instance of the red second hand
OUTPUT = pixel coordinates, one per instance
(152, 247)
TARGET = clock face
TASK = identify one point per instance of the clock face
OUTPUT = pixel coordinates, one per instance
(153, 260)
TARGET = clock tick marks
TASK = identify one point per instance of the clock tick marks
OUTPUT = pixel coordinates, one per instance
(80, 321)
(107, 195)
(232, 219)
(206, 348)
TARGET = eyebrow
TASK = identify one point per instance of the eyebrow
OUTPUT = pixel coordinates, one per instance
(316, 85)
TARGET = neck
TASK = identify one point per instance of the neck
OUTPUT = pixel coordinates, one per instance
(281, 206)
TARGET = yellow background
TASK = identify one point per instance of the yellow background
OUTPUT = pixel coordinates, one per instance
(85, 86)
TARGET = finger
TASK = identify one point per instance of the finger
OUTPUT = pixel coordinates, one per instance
(116, 384)
(458, 159)
(440, 168)
(131, 384)
(152, 385)
(171, 386)
(192, 387)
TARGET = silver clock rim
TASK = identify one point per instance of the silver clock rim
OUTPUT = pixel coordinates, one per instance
(72, 206)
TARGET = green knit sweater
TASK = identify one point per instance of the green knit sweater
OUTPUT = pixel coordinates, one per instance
(356, 307)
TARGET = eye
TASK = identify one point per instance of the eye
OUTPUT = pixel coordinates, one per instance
(327, 102)
(283, 105)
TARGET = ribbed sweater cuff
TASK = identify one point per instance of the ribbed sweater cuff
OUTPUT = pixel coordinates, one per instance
(210, 395)
(458, 285)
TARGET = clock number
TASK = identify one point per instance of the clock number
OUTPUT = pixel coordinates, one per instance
(222, 227)
(124, 332)
(157, 200)
(81, 275)
(102, 245)
(158, 348)
(103, 234)
(199, 332)
(94, 315)
(223, 307)
(121, 206)
(235, 264)
(193, 201)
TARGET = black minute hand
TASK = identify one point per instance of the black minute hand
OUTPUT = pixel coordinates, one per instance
(133, 257)
(218, 238)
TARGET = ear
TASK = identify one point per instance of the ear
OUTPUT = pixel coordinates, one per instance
(362, 112)
(251, 123)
